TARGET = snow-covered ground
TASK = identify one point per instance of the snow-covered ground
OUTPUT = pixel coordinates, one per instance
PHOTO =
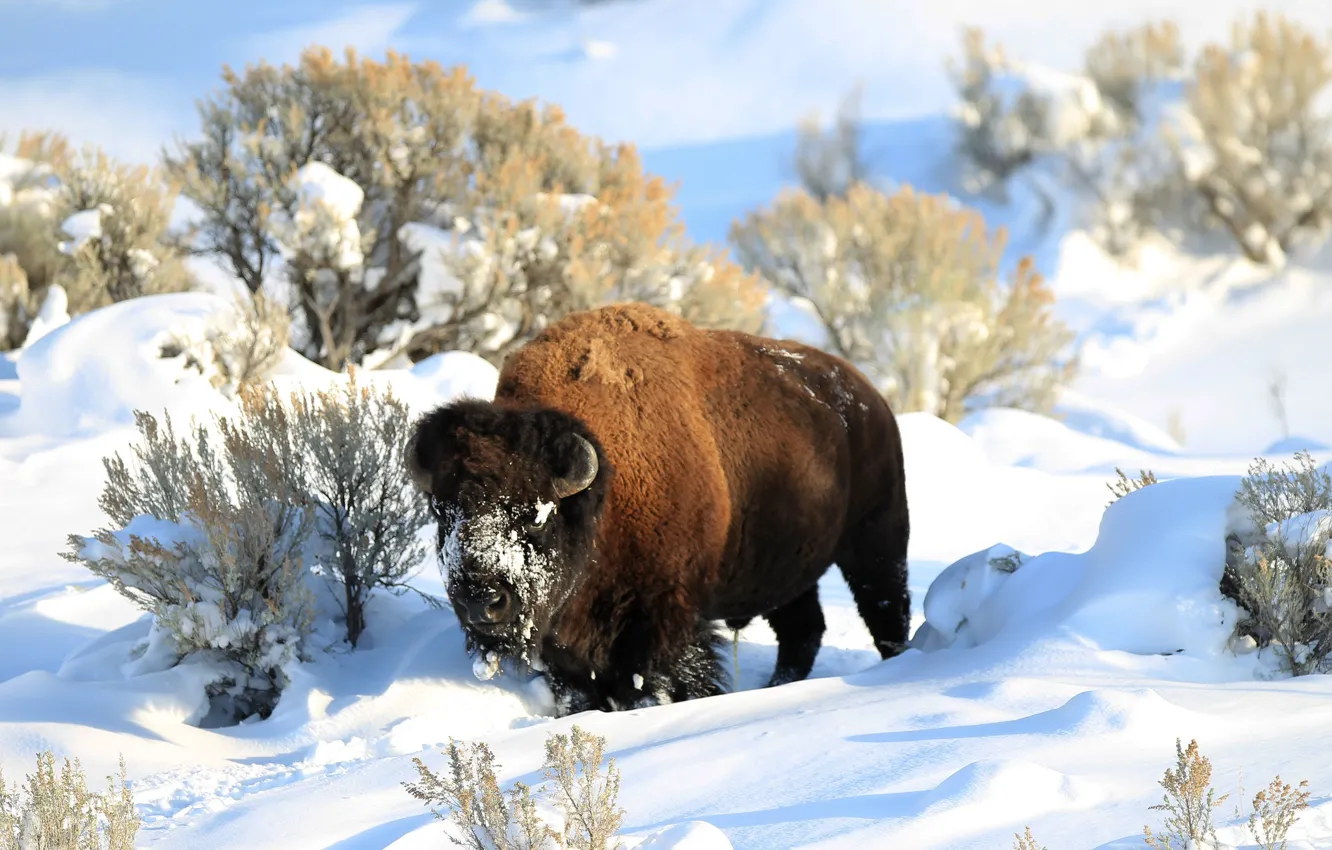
(1049, 696)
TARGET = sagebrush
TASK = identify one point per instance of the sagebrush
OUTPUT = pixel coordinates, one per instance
(489, 819)
(351, 442)
(1275, 810)
(209, 533)
(467, 221)
(1124, 485)
(55, 810)
(1188, 802)
(237, 349)
(96, 228)
(998, 134)
(219, 530)
(907, 287)
(829, 162)
(1283, 581)
(1124, 166)
(1025, 841)
(1261, 158)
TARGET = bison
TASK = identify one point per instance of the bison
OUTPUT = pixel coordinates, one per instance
(637, 479)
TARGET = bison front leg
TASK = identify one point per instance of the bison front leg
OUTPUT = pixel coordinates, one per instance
(694, 671)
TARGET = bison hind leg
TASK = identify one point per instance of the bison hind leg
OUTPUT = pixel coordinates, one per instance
(799, 627)
(873, 559)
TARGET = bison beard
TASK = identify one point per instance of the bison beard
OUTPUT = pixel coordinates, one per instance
(637, 479)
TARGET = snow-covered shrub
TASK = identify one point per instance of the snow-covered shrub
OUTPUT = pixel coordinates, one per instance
(1284, 580)
(830, 162)
(16, 302)
(999, 134)
(1125, 65)
(1260, 154)
(419, 213)
(539, 256)
(1188, 803)
(1009, 114)
(95, 228)
(488, 819)
(116, 218)
(907, 287)
(1126, 168)
(209, 533)
(351, 443)
(28, 245)
(218, 531)
(237, 349)
(57, 811)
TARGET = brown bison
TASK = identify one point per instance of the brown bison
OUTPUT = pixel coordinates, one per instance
(637, 478)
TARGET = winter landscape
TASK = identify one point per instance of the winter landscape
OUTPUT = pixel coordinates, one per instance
(1107, 348)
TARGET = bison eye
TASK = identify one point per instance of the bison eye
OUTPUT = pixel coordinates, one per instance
(538, 520)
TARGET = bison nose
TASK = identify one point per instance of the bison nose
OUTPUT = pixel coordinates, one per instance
(491, 607)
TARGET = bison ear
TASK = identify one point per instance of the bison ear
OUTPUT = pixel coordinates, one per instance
(575, 466)
(429, 443)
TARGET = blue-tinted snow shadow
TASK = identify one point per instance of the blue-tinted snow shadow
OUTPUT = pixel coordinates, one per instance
(45, 643)
(874, 807)
(381, 836)
(34, 641)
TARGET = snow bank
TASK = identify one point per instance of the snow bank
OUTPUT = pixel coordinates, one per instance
(1149, 585)
(95, 371)
(453, 374)
(86, 375)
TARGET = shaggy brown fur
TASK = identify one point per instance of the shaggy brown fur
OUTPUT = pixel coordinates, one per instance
(734, 471)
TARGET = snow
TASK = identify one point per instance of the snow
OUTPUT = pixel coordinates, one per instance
(68, 385)
(82, 227)
(1060, 648)
(327, 204)
(54, 313)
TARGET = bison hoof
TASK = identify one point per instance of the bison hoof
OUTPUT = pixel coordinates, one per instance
(890, 648)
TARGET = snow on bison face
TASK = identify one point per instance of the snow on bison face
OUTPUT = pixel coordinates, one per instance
(514, 497)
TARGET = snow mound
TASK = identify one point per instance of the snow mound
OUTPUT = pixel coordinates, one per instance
(1002, 789)
(53, 314)
(1149, 585)
(1022, 438)
(692, 835)
(69, 386)
(1139, 712)
(454, 374)
(1290, 445)
(1098, 419)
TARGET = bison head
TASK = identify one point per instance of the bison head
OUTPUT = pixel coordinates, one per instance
(517, 495)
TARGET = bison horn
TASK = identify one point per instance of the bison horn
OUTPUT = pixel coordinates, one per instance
(583, 473)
